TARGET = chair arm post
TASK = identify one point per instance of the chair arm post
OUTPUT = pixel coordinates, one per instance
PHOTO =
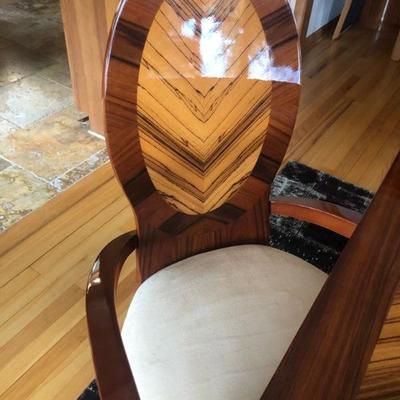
(114, 376)
(327, 215)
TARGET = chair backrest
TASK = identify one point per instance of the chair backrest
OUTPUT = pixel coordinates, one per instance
(201, 97)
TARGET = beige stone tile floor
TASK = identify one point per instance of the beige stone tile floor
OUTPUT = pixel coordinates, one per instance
(45, 143)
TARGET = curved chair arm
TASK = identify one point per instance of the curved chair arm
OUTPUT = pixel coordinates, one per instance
(114, 376)
(328, 215)
(330, 353)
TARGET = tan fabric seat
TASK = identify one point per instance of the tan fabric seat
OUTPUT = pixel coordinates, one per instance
(216, 326)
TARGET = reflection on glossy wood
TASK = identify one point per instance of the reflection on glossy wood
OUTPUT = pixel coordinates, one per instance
(69, 231)
(202, 91)
(336, 340)
(381, 14)
(167, 235)
(331, 216)
(396, 49)
(113, 373)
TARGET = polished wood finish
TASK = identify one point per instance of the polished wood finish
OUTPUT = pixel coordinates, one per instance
(330, 353)
(381, 15)
(114, 376)
(343, 108)
(87, 25)
(381, 380)
(375, 16)
(330, 216)
(396, 49)
(196, 101)
(44, 347)
(167, 235)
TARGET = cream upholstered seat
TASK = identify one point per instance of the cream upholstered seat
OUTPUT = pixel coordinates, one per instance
(216, 326)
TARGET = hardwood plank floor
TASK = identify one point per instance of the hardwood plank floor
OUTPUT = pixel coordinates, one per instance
(349, 126)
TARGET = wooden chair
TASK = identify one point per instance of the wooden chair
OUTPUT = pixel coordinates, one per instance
(201, 99)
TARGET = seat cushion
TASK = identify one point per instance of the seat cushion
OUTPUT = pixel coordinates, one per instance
(216, 326)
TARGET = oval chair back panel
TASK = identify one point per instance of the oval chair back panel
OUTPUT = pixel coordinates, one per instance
(201, 97)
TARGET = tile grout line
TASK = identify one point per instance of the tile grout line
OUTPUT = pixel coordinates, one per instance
(52, 80)
(37, 121)
(25, 170)
(78, 165)
(5, 169)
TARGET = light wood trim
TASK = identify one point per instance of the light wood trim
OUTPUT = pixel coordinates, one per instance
(327, 215)
(342, 19)
(86, 25)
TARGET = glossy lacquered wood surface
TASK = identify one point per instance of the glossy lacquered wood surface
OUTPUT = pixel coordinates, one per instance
(114, 376)
(204, 100)
(381, 14)
(330, 216)
(168, 235)
(44, 259)
(329, 355)
(396, 49)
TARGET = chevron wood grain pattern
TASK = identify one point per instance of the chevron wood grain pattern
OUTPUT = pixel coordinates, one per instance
(181, 149)
(44, 259)
(200, 94)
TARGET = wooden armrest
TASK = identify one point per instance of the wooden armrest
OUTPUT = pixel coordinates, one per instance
(330, 353)
(114, 376)
(328, 215)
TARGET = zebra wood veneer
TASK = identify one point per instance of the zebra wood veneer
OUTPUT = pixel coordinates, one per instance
(201, 99)
(200, 94)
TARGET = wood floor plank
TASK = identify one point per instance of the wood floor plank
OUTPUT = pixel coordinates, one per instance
(41, 323)
(18, 283)
(19, 312)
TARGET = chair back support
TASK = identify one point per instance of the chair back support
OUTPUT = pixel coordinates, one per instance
(201, 98)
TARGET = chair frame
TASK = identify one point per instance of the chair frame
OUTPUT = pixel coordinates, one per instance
(166, 235)
(337, 362)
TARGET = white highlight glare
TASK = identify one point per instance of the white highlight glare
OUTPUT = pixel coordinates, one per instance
(188, 28)
(262, 67)
(214, 49)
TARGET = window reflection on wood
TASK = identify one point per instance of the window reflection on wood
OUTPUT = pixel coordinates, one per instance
(204, 99)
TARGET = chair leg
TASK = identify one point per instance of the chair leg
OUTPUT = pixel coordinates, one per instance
(342, 19)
